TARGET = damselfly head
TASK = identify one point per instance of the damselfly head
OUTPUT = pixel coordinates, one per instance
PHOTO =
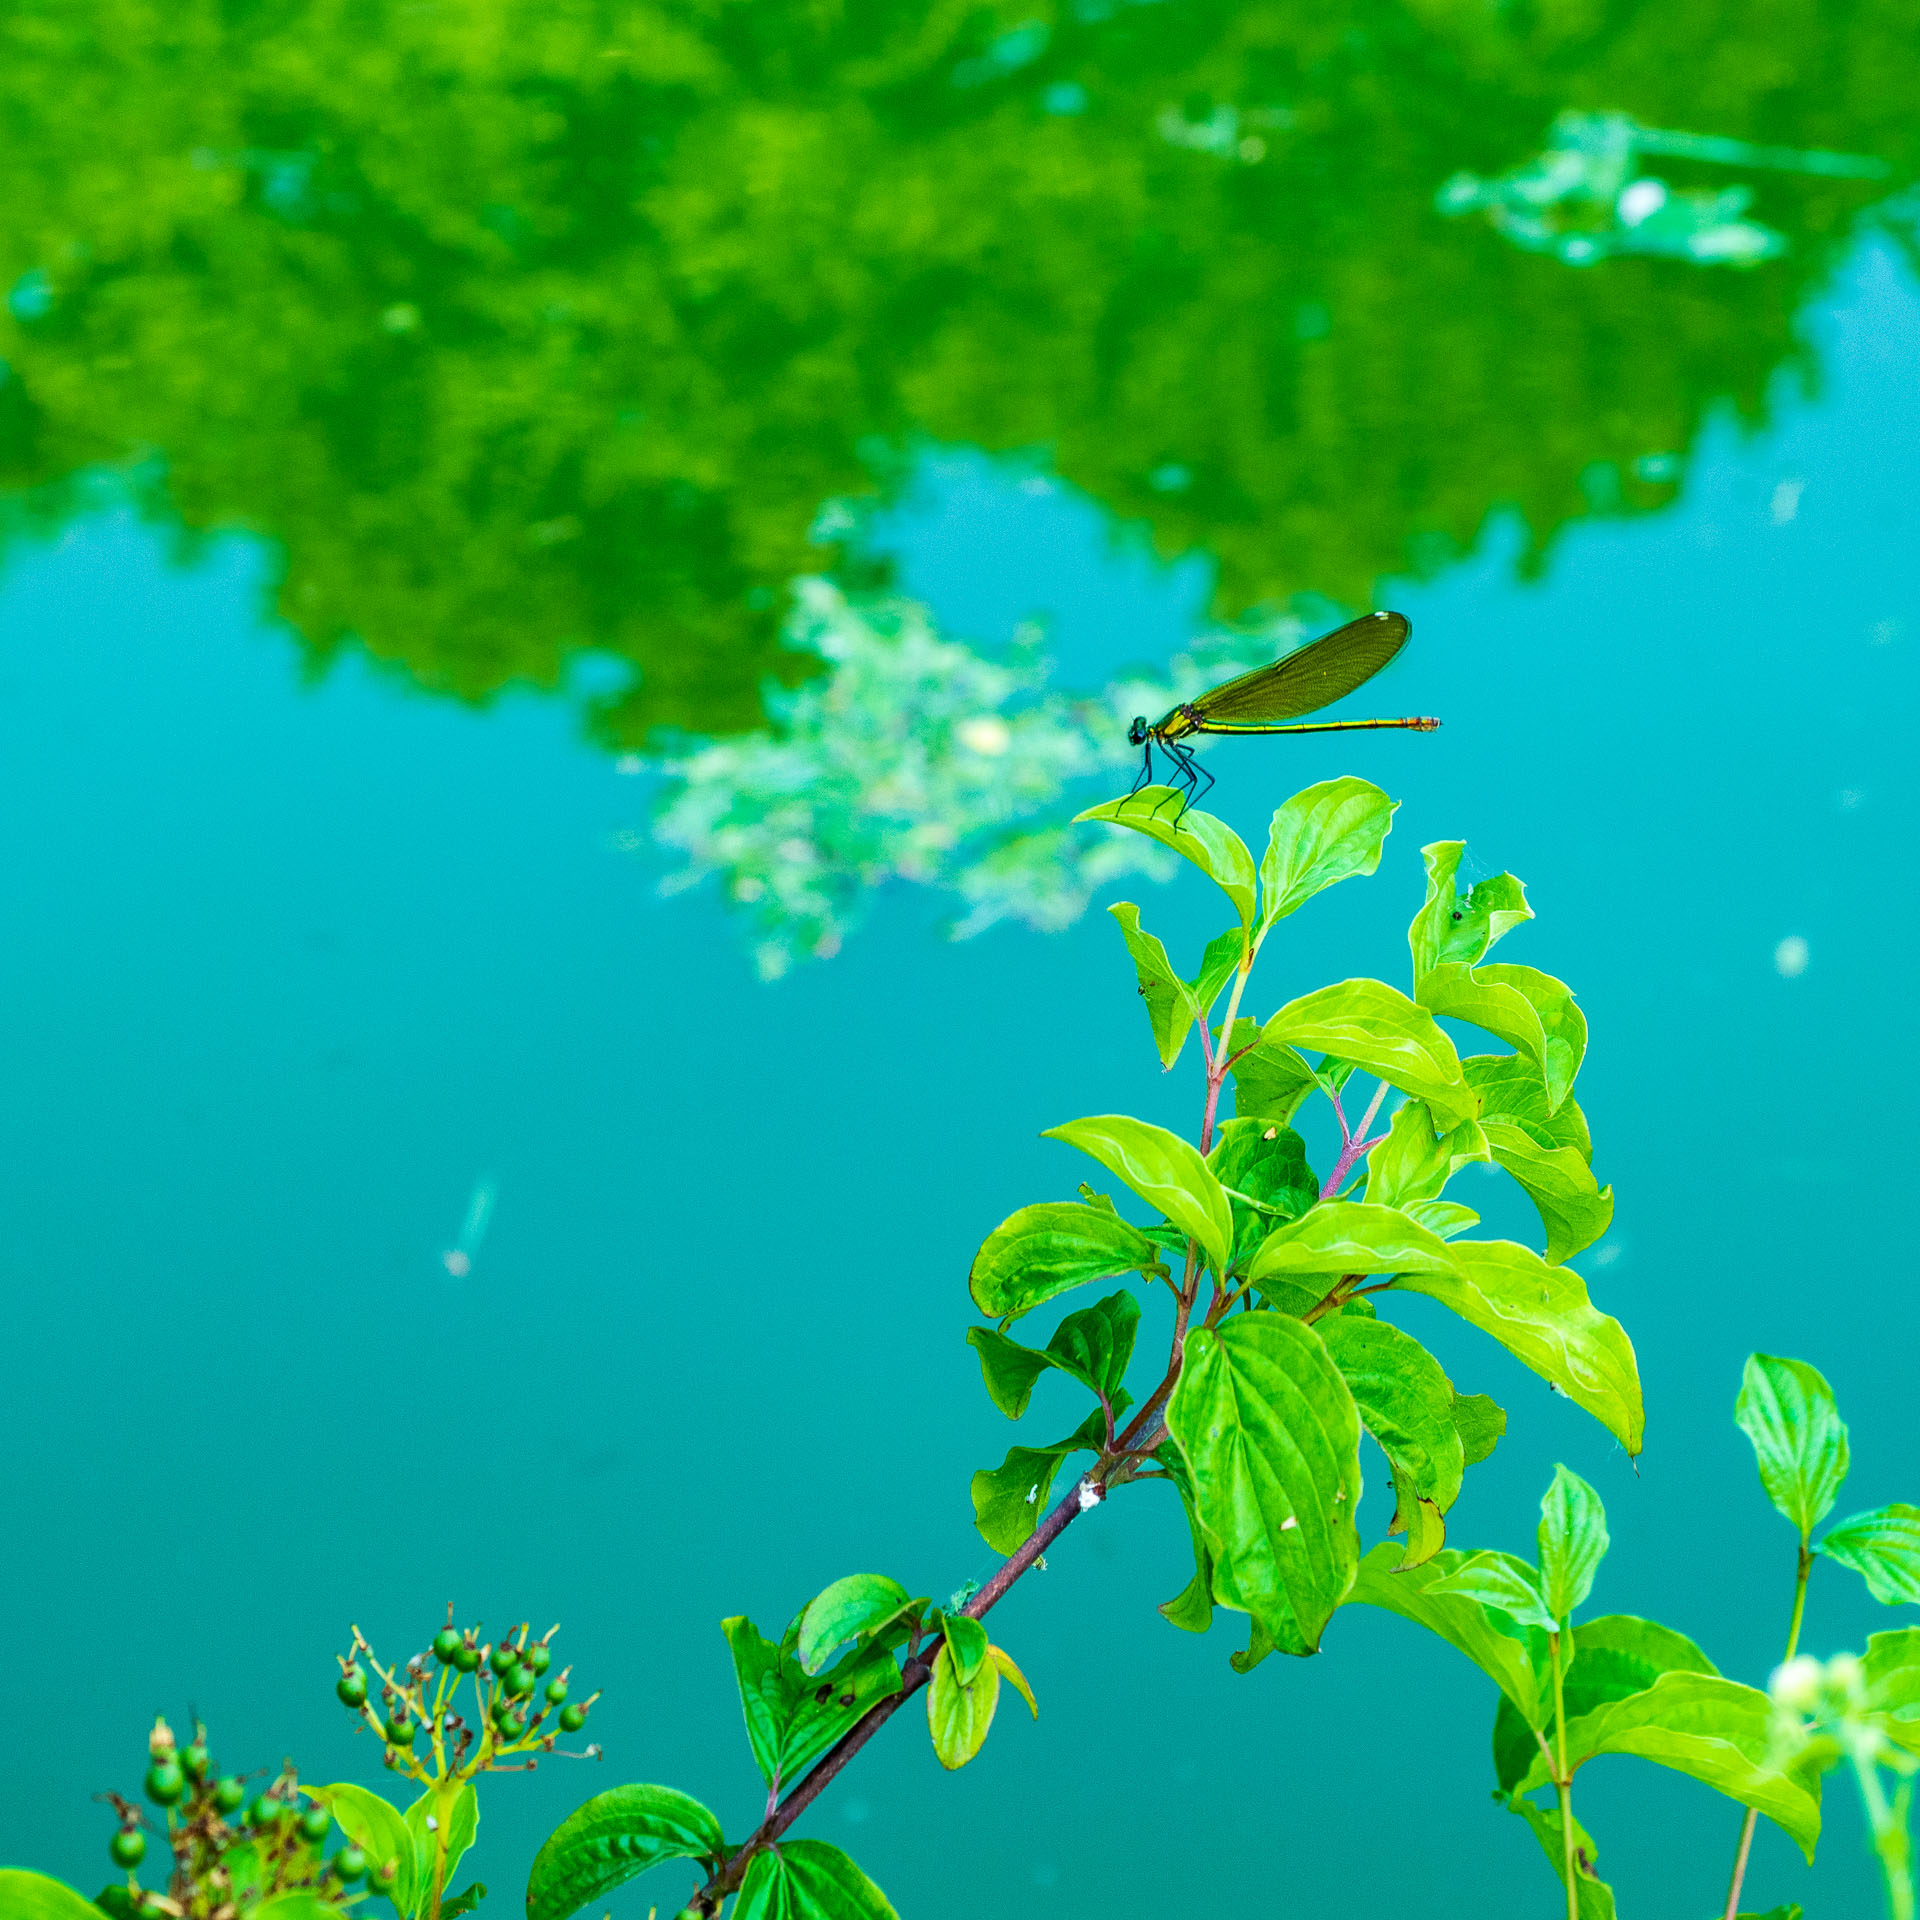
(1137, 733)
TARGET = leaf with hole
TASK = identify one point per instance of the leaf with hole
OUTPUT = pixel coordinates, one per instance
(1457, 928)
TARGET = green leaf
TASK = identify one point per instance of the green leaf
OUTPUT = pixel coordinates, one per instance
(32, 1896)
(1210, 844)
(1480, 1421)
(793, 1716)
(1092, 1346)
(1050, 1248)
(1191, 1609)
(463, 1902)
(462, 1828)
(379, 1829)
(853, 1608)
(1010, 1671)
(1451, 927)
(1883, 1548)
(1573, 1207)
(1324, 834)
(1510, 1088)
(1349, 1237)
(967, 1642)
(959, 1712)
(1799, 1440)
(1512, 1656)
(1009, 1499)
(1613, 1657)
(1573, 1541)
(1711, 1728)
(1890, 1684)
(1164, 1170)
(1269, 1083)
(1415, 1161)
(1169, 1001)
(1529, 1009)
(1263, 1167)
(1542, 1316)
(298, 1903)
(1506, 1584)
(1271, 1436)
(615, 1837)
(1448, 1218)
(1593, 1898)
(808, 1880)
(1405, 1402)
(1218, 965)
(1369, 1025)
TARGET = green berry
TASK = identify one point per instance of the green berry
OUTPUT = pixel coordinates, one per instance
(229, 1795)
(446, 1645)
(263, 1812)
(128, 1847)
(556, 1691)
(512, 1727)
(352, 1688)
(503, 1657)
(572, 1719)
(197, 1761)
(165, 1782)
(399, 1731)
(520, 1681)
(539, 1656)
(349, 1864)
(315, 1824)
(467, 1660)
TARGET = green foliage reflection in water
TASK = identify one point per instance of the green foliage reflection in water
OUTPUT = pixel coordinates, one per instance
(528, 328)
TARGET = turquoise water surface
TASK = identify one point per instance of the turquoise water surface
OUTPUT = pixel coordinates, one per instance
(305, 958)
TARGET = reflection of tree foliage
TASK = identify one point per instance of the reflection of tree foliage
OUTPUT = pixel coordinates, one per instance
(527, 327)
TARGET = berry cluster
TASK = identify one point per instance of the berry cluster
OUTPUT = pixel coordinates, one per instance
(228, 1852)
(520, 1711)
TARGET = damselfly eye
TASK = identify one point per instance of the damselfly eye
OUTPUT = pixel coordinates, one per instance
(1137, 733)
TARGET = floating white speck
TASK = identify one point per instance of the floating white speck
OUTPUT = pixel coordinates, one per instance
(1289, 1523)
(988, 734)
(1885, 632)
(1849, 798)
(1786, 500)
(1640, 200)
(1790, 957)
(629, 764)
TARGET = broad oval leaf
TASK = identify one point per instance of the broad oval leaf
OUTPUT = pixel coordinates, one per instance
(379, 1829)
(1324, 834)
(1164, 1170)
(1092, 1346)
(1271, 1440)
(1542, 1316)
(959, 1713)
(1799, 1440)
(1263, 1166)
(1415, 1160)
(1349, 1236)
(1455, 928)
(1614, 1656)
(1370, 1025)
(1168, 999)
(1481, 1420)
(1503, 1582)
(1890, 1684)
(1573, 1207)
(1210, 844)
(1269, 1083)
(1510, 1088)
(855, 1605)
(808, 1880)
(1707, 1726)
(33, 1896)
(1512, 1656)
(791, 1720)
(1521, 1005)
(1405, 1402)
(1883, 1548)
(614, 1837)
(1051, 1248)
(1573, 1541)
